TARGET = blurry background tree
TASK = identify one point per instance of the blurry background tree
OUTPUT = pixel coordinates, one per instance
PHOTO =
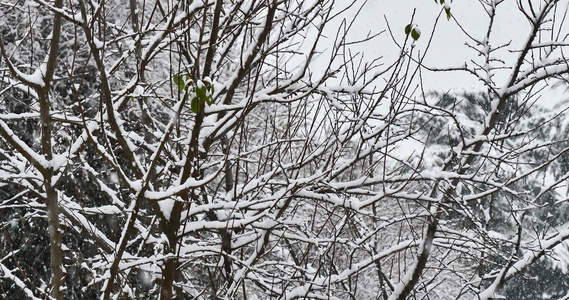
(231, 150)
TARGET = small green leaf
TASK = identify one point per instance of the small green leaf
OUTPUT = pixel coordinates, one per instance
(413, 29)
(447, 11)
(177, 80)
(201, 92)
(195, 105)
(415, 33)
(209, 100)
(408, 28)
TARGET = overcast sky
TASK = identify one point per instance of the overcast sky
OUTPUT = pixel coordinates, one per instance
(448, 45)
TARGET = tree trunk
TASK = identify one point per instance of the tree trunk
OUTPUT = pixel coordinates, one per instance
(56, 260)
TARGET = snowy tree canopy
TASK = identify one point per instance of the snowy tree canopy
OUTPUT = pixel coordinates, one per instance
(238, 150)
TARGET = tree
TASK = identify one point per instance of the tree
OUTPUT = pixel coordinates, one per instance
(214, 150)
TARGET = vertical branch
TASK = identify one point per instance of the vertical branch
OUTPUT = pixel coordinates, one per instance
(136, 29)
(56, 260)
(213, 38)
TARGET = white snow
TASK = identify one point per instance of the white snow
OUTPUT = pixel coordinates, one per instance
(37, 78)
(166, 206)
(138, 91)
(98, 44)
(7, 274)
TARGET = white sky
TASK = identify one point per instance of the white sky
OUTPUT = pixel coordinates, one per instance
(448, 44)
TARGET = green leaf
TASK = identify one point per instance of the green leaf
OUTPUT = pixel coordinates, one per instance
(415, 33)
(413, 29)
(201, 92)
(178, 81)
(195, 105)
(447, 11)
(209, 100)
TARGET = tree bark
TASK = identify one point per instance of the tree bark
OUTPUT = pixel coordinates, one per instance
(56, 252)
